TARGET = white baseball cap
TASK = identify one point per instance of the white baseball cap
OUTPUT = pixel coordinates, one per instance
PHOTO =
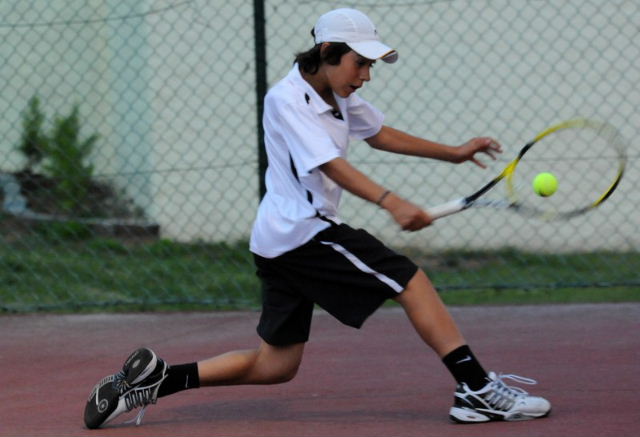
(356, 30)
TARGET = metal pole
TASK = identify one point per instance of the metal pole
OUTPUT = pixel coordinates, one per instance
(260, 43)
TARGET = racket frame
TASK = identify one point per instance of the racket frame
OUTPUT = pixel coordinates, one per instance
(511, 201)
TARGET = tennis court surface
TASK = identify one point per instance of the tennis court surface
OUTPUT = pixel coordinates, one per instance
(379, 381)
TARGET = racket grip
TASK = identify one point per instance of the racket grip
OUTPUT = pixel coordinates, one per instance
(445, 209)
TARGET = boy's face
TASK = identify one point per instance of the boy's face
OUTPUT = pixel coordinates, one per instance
(350, 74)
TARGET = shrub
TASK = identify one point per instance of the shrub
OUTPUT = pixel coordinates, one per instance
(33, 142)
(66, 162)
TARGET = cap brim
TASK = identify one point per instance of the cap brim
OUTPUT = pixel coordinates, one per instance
(374, 50)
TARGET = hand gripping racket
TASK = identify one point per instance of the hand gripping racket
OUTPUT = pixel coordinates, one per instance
(588, 158)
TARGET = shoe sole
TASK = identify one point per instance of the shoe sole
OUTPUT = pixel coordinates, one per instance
(96, 410)
(467, 416)
(139, 365)
(464, 415)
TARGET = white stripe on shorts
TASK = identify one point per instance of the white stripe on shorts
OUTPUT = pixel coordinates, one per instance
(360, 265)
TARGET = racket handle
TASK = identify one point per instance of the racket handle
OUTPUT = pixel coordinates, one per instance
(445, 209)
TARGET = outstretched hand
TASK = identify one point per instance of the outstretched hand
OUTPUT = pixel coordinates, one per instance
(487, 145)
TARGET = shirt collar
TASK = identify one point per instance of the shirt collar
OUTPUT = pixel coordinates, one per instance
(311, 96)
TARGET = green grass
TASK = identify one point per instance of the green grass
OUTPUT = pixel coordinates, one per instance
(516, 277)
(52, 272)
(541, 296)
(106, 275)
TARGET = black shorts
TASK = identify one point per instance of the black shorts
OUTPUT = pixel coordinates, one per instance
(347, 272)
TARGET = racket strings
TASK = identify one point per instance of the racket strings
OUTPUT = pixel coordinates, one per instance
(587, 162)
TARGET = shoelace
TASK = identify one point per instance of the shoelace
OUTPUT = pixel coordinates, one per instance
(120, 383)
(137, 397)
(138, 418)
(141, 397)
(503, 396)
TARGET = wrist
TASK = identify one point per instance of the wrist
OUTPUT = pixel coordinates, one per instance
(390, 201)
(382, 198)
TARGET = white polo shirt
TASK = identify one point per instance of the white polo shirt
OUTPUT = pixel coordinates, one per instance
(301, 131)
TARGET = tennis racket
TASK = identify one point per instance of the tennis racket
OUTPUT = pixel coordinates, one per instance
(588, 158)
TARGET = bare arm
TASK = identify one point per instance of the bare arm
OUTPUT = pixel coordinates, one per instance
(409, 216)
(396, 141)
(406, 214)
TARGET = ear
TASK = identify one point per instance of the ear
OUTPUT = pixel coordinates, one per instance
(323, 48)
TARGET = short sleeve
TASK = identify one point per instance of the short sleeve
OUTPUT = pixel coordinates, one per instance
(299, 128)
(365, 120)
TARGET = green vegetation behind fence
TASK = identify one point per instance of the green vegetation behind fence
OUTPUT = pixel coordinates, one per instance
(106, 274)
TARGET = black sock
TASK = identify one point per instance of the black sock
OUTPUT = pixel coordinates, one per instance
(179, 377)
(464, 367)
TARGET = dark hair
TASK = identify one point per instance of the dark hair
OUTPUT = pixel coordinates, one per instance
(311, 60)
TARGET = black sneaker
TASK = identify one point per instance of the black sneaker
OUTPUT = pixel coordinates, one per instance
(497, 401)
(135, 386)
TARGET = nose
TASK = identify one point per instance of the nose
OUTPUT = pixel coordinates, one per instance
(365, 73)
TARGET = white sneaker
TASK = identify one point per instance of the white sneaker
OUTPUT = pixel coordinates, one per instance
(497, 401)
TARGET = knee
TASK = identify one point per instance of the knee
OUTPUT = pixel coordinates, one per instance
(277, 364)
(285, 373)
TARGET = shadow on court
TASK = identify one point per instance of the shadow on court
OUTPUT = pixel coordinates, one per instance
(379, 381)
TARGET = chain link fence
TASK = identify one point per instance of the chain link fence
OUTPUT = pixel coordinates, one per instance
(130, 169)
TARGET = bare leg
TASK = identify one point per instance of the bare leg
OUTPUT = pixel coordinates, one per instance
(429, 316)
(276, 364)
(266, 365)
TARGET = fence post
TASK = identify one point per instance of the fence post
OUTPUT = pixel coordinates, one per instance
(260, 43)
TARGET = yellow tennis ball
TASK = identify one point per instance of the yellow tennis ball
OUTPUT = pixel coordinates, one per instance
(545, 184)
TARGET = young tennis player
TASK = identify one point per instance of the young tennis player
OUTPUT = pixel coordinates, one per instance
(306, 255)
